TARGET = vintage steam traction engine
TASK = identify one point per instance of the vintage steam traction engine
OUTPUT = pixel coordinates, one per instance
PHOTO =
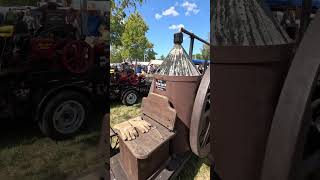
(50, 76)
(55, 45)
(177, 109)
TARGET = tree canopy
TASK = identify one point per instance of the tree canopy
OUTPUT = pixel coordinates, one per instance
(205, 52)
(128, 33)
(162, 57)
(134, 41)
(118, 16)
(115, 56)
(150, 53)
(128, 40)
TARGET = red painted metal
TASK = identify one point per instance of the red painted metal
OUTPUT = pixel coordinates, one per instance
(42, 48)
(78, 57)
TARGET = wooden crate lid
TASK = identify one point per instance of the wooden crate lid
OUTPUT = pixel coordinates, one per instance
(158, 108)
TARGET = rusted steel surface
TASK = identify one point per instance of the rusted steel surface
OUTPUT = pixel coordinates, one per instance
(181, 91)
(250, 54)
(200, 120)
(292, 116)
(247, 84)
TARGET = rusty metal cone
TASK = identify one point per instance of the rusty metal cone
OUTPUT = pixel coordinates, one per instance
(178, 63)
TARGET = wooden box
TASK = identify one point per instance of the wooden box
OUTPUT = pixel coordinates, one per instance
(142, 157)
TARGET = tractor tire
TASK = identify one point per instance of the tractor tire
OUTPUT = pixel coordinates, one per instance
(64, 115)
(130, 97)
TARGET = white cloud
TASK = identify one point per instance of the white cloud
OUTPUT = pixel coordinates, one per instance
(157, 16)
(176, 4)
(190, 8)
(170, 12)
(178, 26)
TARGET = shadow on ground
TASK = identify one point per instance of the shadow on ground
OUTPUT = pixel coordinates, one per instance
(195, 168)
(26, 154)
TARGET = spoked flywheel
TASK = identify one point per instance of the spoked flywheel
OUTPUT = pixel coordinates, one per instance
(200, 120)
(293, 148)
(78, 57)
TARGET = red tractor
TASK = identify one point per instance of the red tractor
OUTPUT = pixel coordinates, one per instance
(51, 76)
(55, 44)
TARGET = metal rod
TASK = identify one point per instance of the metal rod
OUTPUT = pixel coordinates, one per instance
(194, 36)
(191, 47)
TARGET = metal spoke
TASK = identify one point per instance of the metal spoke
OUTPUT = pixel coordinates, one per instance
(200, 127)
(206, 136)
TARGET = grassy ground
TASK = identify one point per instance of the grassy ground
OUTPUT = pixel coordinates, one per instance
(25, 154)
(195, 168)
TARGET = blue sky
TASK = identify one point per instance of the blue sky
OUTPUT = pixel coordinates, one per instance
(164, 17)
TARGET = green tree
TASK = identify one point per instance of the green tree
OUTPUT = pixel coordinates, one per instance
(162, 57)
(205, 52)
(197, 56)
(150, 52)
(134, 41)
(118, 16)
(115, 55)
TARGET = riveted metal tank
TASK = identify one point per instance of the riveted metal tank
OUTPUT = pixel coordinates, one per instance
(247, 84)
(177, 78)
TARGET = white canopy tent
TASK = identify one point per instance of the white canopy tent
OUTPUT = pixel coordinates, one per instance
(155, 62)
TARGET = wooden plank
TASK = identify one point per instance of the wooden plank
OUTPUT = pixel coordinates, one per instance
(146, 143)
(173, 168)
(168, 171)
(116, 171)
(158, 108)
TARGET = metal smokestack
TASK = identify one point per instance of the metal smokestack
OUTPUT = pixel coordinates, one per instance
(178, 38)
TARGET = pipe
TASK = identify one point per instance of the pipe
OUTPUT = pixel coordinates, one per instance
(191, 47)
(194, 36)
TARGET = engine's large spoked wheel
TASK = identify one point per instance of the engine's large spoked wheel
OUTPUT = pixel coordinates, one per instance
(78, 57)
(200, 120)
(293, 151)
